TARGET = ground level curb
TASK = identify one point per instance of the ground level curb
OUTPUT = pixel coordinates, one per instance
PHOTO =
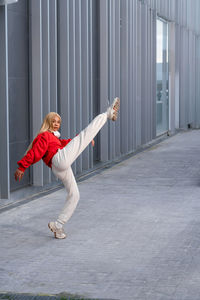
(27, 296)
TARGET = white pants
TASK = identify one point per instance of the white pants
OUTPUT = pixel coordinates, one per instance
(63, 159)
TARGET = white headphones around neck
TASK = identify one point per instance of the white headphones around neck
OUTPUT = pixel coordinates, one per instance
(56, 133)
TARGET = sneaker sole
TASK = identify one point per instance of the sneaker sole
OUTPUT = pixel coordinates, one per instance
(52, 230)
(55, 233)
(116, 104)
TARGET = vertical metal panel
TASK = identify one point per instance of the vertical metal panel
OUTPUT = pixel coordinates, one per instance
(36, 79)
(197, 19)
(153, 74)
(63, 66)
(184, 12)
(53, 59)
(176, 13)
(180, 8)
(45, 58)
(180, 12)
(194, 82)
(192, 16)
(188, 13)
(117, 91)
(18, 88)
(111, 74)
(186, 81)
(184, 87)
(138, 80)
(85, 74)
(134, 76)
(95, 73)
(158, 2)
(72, 90)
(71, 87)
(144, 77)
(124, 75)
(191, 78)
(149, 63)
(166, 8)
(130, 77)
(172, 108)
(172, 10)
(4, 111)
(149, 69)
(114, 73)
(45, 73)
(53, 54)
(78, 77)
(91, 32)
(197, 87)
(181, 73)
(177, 74)
(162, 8)
(103, 73)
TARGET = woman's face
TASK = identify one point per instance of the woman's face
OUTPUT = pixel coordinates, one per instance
(55, 123)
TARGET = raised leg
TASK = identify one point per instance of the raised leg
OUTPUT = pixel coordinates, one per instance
(66, 156)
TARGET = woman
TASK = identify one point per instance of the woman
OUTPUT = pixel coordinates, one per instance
(59, 154)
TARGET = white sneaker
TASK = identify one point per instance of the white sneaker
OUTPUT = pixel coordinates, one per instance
(112, 111)
(58, 232)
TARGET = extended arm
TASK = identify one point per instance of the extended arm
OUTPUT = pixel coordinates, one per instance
(40, 145)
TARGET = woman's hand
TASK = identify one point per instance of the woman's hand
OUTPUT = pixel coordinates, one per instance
(93, 143)
(19, 174)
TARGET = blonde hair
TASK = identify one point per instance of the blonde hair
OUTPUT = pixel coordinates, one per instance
(46, 125)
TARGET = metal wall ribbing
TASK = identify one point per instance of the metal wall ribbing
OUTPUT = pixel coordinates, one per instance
(83, 53)
(138, 77)
(77, 67)
(64, 64)
(108, 48)
(197, 85)
(4, 111)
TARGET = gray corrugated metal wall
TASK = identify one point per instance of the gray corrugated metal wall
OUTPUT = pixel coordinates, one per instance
(18, 77)
(77, 69)
(84, 52)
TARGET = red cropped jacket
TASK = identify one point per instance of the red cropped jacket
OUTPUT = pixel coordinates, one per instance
(44, 147)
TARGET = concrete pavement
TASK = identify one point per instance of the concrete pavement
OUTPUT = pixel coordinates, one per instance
(134, 235)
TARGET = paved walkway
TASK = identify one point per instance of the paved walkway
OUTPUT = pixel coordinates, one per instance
(135, 233)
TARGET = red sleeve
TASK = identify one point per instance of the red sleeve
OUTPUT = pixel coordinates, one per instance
(65, 142)
(39, 148)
